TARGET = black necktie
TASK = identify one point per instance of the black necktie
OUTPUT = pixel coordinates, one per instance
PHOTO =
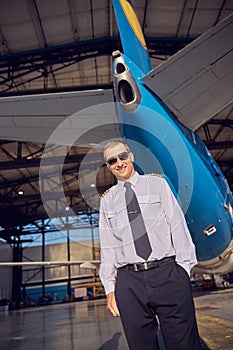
(141, 240)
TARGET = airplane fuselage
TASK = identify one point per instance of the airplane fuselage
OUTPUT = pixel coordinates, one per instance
(162, 145)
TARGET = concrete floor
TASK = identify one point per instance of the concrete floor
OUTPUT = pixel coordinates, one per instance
(215, 318)
(89, 326)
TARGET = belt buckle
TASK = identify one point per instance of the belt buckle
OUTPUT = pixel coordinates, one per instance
(145, 266)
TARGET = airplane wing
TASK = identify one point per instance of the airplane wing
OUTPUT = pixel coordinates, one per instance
(34, 118)
(92, 264)
(197, 82)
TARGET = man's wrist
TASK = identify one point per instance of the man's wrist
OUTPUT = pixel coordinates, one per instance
(109, 288)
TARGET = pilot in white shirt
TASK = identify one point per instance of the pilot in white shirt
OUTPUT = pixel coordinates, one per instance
(137, 289)
(166, 227)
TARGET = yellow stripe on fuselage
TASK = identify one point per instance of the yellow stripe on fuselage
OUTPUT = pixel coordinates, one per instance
(133, 21)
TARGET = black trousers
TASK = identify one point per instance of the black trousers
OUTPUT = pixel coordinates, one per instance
(165, 292)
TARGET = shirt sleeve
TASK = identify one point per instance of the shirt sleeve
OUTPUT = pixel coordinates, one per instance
(107, 270)
(181, 237)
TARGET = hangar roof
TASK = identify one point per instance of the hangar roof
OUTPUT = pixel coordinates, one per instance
(60, 44)
(64, 45)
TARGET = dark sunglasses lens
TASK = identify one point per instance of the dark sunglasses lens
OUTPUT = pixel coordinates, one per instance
(112, 161)
(123, 156)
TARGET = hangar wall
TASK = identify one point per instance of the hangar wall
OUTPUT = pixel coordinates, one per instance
(5, 272)
(79, 251)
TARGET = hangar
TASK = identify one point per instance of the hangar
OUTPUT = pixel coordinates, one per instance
(65, 47)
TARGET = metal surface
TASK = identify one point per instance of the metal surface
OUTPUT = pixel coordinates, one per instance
(196, 83)
(48, 47)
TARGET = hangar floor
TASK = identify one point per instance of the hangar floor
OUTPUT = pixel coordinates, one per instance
(88, 326)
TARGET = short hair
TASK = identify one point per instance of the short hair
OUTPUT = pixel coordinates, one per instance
(113, 143)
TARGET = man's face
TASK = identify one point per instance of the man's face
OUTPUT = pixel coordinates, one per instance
(122, 169)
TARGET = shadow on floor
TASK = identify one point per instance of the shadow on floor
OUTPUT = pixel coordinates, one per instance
(204, 346)
(111, 344)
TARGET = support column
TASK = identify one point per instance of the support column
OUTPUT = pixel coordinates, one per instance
(43, 258)
(17, 273)
(68, 258)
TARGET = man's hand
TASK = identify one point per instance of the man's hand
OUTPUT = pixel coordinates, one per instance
(111, 304)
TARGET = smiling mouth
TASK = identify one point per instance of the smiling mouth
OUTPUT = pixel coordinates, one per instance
(122, 167)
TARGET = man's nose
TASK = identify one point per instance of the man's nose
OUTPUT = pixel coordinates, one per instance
(119, 161)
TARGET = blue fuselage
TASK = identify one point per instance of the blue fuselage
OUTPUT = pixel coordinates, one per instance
(162, 145)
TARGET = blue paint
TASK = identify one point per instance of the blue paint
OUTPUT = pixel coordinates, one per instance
(162, 145)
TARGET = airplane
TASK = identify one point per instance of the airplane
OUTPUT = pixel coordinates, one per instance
(143, 102)
(86, 264)
(158, 113)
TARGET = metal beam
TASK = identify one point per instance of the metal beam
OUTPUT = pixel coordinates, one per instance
(57, 160)
(32, 178)
(24, 218)
(47, 196)
(224, 122)
(224, 162)
(211, 145)
(22, 64)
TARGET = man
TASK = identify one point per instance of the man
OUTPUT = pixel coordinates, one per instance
(146, 256)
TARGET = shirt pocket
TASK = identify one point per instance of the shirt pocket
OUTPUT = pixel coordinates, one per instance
(151, 207)
(117, 224)
(112, 218)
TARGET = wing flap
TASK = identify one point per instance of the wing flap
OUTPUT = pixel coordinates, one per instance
(196, 83)
(35, 118)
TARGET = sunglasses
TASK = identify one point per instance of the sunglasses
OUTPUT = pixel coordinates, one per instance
(121, 156)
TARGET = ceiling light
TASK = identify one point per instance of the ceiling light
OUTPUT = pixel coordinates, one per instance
(20, 192)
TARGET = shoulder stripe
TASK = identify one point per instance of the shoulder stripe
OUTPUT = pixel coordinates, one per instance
(154, 174)
(104, 193)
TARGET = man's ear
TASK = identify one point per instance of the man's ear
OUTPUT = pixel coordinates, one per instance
(131, 156)
(108, 166)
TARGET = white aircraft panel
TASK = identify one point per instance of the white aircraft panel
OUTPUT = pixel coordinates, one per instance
(200, 110)
(36, 122)
(196, 83)
(5, 121)
(67, 116)
(57, 104)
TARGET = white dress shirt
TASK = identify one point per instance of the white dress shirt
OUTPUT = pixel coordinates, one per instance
(164, 220)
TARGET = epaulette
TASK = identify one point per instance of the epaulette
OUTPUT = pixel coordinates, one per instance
(104, 193)
(154, 174)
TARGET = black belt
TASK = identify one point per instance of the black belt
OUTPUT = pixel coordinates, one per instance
(147, 265)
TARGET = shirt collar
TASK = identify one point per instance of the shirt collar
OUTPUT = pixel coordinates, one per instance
(133, 180)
